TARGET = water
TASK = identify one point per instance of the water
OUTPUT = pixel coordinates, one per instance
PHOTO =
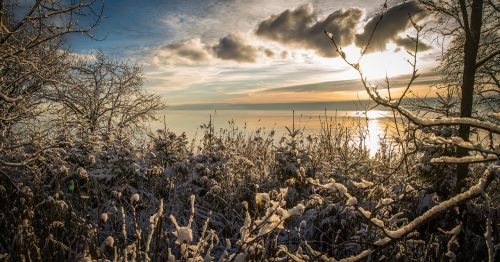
(189, 121)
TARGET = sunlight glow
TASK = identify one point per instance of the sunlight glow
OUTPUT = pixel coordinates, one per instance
(391, 62)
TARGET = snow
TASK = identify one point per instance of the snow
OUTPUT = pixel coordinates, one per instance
(170, 257)
(134, 198)
(183, 234)
(102, 173)
(496, 115)
(297, 210)
(104, 217)
(451, 121)
(341, 188)
(458, 141)
(363, 184)
(82, 173)
(409, 189)
(109, 241)
(377, 222)
(367, 214)
(386, 201)
(273, 222)
(262, 198)
(472, 192)
(465, 159)
(415, 242)
(382, 241)
(352, 201)
(326, 208)
(454, 231)
(357, 257)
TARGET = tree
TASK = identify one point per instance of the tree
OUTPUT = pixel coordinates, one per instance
(31, 51)
(472, 58)
(465, 22)
(457, 10)
(101, 93)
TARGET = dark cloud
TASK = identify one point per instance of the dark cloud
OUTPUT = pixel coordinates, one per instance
(268, 52)
(409, 44)
(192, 51)
(284, 54)
(302, 28)
(395, 21)
(233, 47)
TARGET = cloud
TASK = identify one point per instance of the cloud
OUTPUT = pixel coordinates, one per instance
(426, 79)
(394, 21)
(233, 47)
(302, 28)
(409, 44)
(187, 52)
(329, 86)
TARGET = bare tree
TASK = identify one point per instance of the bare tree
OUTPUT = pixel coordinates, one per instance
(31, 51)
(470, 63)
(101, 93)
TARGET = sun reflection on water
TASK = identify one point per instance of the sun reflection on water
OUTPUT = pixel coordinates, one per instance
(375, 130)
(374, 133)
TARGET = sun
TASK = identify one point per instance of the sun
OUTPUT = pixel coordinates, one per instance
(376, 65)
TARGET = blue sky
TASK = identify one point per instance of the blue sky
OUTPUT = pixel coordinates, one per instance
(250, 51)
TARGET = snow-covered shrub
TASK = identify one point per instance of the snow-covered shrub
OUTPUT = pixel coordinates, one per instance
(109, 197)
(292, 158)
(168, 147)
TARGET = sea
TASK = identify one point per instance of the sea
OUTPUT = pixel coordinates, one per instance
(378, 123)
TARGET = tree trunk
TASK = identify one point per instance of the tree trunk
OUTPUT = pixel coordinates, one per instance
(472, 37)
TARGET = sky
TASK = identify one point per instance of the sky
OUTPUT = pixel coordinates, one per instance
(262, 51)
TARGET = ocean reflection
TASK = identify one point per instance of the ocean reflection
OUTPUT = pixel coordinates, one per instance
(374, 133)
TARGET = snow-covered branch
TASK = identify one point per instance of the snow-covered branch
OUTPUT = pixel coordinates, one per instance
(397, 234)
(465, 159)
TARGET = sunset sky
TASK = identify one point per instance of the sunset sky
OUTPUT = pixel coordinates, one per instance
(249, 51)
